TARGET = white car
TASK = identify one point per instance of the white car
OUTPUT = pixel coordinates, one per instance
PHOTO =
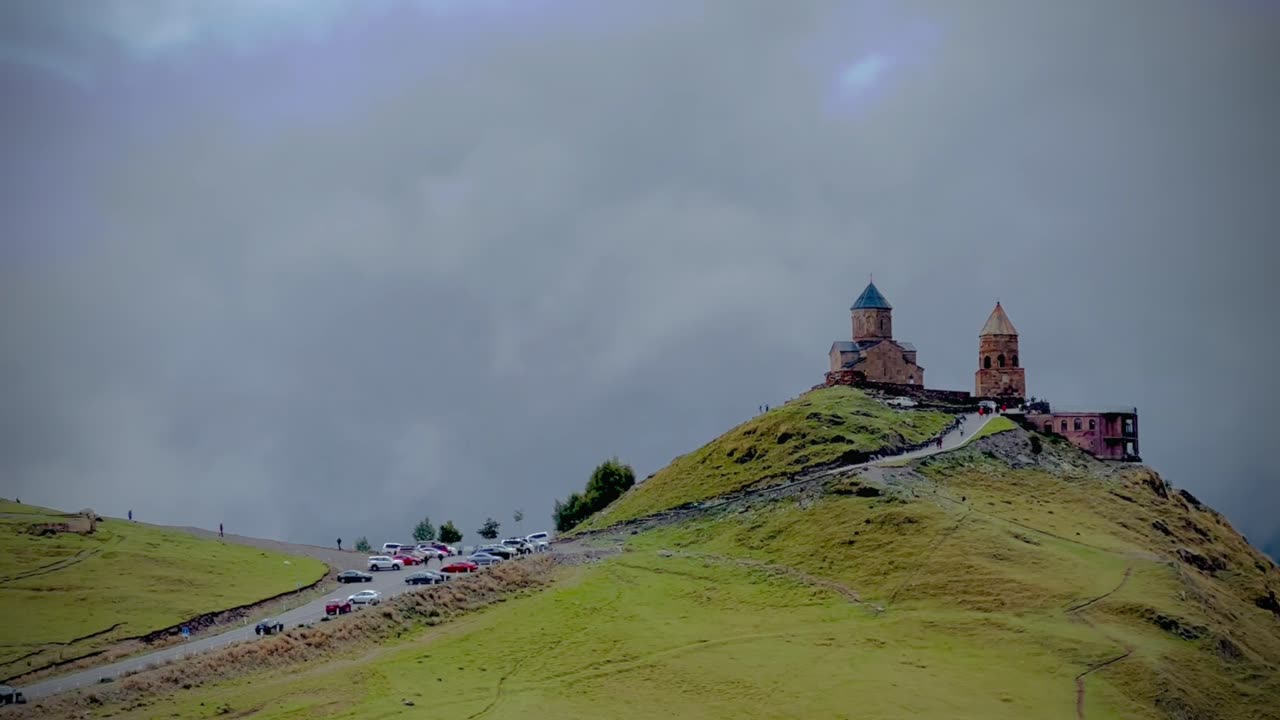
(542, 546)
(482, 558)
(429, 552)
(903, 402)
(384, 562)
(538, 537)
(391, 548)
(366, 597)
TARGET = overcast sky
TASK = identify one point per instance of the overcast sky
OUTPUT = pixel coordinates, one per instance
(314, 269)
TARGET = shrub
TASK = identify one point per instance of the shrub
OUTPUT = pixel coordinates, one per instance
(608, 482)
(424, 531)
(449, 533)
(362, 544)
(489, 530)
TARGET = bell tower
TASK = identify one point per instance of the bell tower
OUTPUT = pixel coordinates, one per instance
(872, 316)
(1000, 374)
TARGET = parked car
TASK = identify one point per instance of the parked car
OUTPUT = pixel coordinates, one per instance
(384, 562)
(391, 548)
(542, 546)
(483, 559)
(10, 695)
(337, 606)
(538, 537)
(350, 576)
(902, 402)
(425, 577)
(501, 551)
(446, 549)
(430, 552)
(988, 405)
(521, 545)
(268, 627)
(366, 597)
(461, 566)
(406, 559)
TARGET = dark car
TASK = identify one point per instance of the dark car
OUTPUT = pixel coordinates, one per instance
(268, 627)
(426, 577)
(350, 576)
(11, 696)
(501, 551)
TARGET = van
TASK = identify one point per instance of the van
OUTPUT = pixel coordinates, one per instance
(538, 537)
(391, 548)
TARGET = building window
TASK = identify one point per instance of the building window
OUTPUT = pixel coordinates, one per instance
(911, 379)
(882, 324)
(1000, 359)
(1048, 426)
(1015, 361)
(1064, 426)
(986, 362)
(1128, 426)
(1093, 424)
(1078, 424)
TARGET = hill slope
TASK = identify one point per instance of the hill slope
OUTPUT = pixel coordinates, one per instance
(821, 427)
(78, 594)
(1008, 579)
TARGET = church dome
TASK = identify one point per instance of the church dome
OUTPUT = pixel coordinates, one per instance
(871, 299)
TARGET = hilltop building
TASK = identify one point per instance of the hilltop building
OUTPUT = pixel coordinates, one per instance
(1107, 434)
(873, 354)
(999, 374)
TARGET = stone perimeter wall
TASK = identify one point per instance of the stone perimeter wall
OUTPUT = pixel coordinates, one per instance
(915, 392)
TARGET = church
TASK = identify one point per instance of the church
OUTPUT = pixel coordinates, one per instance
(873, 355)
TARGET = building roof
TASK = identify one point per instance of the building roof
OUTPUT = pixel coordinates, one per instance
(871, 299)
(853, 345)
(998, 323)
(906, 346)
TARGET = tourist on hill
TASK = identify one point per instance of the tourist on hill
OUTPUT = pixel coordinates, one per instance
(339, 544)
(219, 529)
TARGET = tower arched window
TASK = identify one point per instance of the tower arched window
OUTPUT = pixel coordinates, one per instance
(1078, 424)
(1093, 424)
(1000, 359)
(1063, 425)
(1015, 361)
(986, 362)
(1048, 426)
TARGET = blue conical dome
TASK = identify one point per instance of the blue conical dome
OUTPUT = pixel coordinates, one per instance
(871, 299)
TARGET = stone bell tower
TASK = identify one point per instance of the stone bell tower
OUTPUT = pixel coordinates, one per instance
(1000, 375)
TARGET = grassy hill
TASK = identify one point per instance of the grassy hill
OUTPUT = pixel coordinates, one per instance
(819, 427)
(78, 594)
(1005, 579)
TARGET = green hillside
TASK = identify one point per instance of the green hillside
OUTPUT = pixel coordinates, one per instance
(1004, 580)
(820, 427)
(78, 594)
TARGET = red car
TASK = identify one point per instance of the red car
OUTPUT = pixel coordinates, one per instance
(407, 560)
(460, 566)
(337, 606)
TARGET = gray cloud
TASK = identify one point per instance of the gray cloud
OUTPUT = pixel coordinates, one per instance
(310, 301)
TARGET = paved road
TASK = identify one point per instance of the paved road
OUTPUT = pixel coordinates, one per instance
(390, 583)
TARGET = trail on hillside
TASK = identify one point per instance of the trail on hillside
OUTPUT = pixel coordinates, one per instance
(62, 564)
(1128, 649)
(942, 536)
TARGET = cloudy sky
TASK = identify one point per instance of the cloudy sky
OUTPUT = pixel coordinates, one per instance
(315, 268)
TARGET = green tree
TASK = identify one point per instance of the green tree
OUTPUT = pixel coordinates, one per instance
(518, 516)
(607, 483)
(424, 531)
(362, 545)
(489, 530)
(449, 533)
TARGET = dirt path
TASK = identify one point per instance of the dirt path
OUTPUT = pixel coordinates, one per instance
(1128, 649)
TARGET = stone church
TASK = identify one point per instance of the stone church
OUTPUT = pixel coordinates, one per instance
(873, 354)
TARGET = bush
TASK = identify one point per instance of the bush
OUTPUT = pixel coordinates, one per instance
(489, 530)
(362, 545)
(608, 482)
(1036, 446)
(424, 531)
(449, 533)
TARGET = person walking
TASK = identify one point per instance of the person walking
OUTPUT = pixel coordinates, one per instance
(339, 544)
(219, 529)
(130, 515)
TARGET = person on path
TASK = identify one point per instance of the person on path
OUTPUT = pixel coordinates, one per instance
(339, 544)
(219, 529)
(131, 515)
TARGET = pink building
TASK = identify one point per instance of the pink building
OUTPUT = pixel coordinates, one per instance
(1107, 434)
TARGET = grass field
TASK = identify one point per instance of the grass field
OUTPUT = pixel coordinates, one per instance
(77, 594)
(819, 427)
(965, 588)
(995, 425)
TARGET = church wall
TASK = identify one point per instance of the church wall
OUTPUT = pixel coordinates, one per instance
(885, 363)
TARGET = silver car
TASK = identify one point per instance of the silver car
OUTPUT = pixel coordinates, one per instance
(366, 597)
(483, 558)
